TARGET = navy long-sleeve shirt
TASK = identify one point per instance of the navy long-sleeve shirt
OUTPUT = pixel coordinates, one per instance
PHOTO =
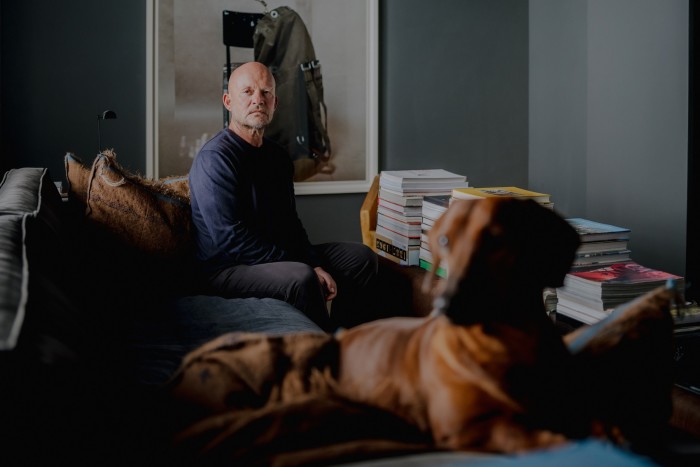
(243, 205)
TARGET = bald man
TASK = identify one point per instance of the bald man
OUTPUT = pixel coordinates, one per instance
(249, 239)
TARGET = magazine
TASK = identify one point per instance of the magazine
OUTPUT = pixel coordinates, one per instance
(592, 231)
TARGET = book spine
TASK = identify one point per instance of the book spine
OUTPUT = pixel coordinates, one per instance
(403, 215)
(400, 254)
(397, 238)
(401, 228)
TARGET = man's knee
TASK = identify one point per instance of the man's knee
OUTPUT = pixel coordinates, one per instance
(302, 279)
(353, 260)
(304, 292)
(302, 274)
(367, 263)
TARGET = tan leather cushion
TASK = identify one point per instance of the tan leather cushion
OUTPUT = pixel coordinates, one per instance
(77, 175)
(152, 216)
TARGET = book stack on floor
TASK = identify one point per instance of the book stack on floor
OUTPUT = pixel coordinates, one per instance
(433, 208)
(502, 192)
(601, 244)
(590, 295)
(400, 206)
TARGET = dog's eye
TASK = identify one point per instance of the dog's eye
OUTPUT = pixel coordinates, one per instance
(443, 241)
(493, 236)
(495, 230)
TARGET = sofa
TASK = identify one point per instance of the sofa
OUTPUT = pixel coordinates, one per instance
(95, 320)
(87, 327)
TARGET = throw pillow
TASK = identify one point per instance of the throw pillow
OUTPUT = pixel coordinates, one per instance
(153, 216)
(623, 367)
(77, 176)
(178, 184)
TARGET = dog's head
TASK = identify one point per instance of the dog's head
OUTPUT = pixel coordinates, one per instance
(499, 246)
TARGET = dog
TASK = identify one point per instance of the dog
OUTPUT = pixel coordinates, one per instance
(487, 369)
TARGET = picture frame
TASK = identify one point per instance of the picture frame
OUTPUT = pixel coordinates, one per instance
(186, 59)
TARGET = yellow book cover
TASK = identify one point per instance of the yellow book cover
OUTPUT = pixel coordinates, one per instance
(499, 191)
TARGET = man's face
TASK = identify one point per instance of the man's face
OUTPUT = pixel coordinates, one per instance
(251, 97)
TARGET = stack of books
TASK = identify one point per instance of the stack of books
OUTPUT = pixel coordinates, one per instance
(433, 208)
(502, 192)
(589, 296)
(399, 209)
(601, 244)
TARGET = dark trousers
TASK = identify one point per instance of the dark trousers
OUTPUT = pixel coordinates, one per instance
(353, 266)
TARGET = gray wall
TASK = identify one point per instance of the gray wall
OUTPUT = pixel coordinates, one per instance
(586, 100)
(454, 84)
(609, 117)
(453, 94)
(63, 63)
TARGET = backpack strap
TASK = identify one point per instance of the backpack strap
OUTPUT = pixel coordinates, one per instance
(319, 113)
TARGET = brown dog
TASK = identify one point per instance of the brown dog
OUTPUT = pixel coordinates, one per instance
(487, 369)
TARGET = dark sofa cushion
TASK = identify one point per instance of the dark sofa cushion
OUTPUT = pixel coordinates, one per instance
(18, 198)
(159, 339)
(42, 333)
(13, 285)
(29, 214)
(39, 317)
(19, 190)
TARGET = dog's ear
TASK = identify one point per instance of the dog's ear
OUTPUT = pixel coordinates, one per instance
(550, 244)
(535, 247)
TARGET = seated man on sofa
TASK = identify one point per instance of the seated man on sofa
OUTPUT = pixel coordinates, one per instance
(249, 239)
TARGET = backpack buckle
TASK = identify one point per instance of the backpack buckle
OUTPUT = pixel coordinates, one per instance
(313, 64)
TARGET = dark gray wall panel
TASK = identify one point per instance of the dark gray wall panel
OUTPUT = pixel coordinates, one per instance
(64, 63)
(454, 88)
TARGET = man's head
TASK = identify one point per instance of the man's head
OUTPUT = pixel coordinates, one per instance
(251, 98)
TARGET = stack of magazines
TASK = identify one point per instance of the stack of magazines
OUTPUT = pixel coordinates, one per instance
(589, 296)
(601, 244)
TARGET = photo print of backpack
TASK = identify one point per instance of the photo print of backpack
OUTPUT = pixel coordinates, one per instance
(282, 42)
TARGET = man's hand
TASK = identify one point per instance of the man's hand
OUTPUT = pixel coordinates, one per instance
(327, 282)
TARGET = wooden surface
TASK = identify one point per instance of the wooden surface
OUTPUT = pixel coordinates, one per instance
(368, 214)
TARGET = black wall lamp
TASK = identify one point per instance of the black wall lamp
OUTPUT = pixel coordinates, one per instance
(106, 115)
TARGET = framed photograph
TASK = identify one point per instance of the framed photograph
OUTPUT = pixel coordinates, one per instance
(186, 65)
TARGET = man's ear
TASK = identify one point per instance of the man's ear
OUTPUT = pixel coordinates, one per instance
(227, 101)
(277, 101)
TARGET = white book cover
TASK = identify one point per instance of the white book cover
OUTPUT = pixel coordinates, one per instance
(400, 177)
(397, 238)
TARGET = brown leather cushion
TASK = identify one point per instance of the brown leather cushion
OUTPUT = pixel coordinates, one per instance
(152, 216)
(77, 175)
